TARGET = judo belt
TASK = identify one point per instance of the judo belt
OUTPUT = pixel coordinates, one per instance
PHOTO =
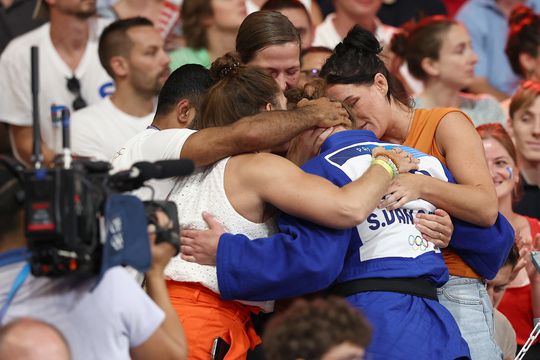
(411, 286)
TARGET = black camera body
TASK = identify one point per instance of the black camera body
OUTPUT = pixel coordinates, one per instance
(65, 219)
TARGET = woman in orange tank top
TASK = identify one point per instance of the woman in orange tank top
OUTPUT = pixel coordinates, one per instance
(357, 76)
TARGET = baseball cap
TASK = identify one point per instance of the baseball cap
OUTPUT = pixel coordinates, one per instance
(126, 240)
(41, 10)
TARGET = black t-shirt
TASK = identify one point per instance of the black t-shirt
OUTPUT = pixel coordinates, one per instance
(529, 204)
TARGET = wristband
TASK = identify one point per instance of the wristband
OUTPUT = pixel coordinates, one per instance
(386, 166)
(390, 155)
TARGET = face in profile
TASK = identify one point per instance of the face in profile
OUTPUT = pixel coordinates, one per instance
(455, 65)
(501, 167)
(148, 61)
(282, 62)
(526, 131)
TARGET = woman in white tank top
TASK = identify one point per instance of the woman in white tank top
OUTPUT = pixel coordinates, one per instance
(241, 192)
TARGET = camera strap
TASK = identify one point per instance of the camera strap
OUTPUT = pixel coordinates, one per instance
(17, 283)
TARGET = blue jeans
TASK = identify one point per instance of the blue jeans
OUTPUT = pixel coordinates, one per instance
(469, 303)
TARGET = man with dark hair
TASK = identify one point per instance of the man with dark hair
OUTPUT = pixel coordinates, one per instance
(178, 104)
(132, 52)
(326, 329)
(69, 72)
(107, 318)
(31, 339)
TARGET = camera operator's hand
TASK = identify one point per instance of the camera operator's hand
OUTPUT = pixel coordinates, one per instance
(200, 246)
(161, 253)
(168, 341)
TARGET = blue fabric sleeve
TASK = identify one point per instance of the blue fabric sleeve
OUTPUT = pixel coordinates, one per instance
(303, 258)
(483, 249)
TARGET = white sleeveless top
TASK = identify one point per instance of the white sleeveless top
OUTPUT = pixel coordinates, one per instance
(204, 191)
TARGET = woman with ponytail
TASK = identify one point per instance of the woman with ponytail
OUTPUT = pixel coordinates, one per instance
(357, 76)
(438, 52)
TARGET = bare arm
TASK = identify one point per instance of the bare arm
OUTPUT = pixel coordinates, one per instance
(265, 130)
(168, 341)
(473, 199)
(22, 144)
(281, 183)
(480, 85)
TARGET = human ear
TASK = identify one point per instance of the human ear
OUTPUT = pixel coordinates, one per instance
(430, 66)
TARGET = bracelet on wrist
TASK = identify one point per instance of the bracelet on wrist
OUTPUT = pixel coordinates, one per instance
(387, 165)
(389, 155)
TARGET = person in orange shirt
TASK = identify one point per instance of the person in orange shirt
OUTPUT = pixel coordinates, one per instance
(357, 76)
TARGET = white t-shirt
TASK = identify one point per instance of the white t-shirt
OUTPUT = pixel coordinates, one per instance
(326, 35)
(152, 145)
(100, 324)
(100, 130)
(15, 65)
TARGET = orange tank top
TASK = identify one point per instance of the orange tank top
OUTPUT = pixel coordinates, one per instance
(421, 136)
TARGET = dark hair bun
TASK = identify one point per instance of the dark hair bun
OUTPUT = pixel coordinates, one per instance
(225, 65)
(361, 40)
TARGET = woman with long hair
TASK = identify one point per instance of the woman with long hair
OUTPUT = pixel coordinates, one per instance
(356, 75)
(438, 52)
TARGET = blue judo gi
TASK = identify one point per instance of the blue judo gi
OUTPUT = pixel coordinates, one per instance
(306, 257)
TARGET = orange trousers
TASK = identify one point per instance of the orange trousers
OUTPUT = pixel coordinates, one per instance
(205, 316)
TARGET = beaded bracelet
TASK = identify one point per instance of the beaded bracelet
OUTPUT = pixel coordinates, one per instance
(386, 165)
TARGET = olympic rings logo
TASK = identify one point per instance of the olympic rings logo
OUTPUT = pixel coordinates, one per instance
(417, 243)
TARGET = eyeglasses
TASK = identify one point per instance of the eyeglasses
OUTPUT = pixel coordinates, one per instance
(311, 72)
(74, 87)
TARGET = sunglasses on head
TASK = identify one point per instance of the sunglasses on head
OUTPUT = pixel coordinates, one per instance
(74, 86)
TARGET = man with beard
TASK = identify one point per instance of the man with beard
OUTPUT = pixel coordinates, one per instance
(69, 72)
(132, 53)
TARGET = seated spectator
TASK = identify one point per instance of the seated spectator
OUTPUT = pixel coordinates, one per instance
(525, 125)
(523, 45)
(438, 52)
(487, 23)
(107, 318)
(505, 335)
(131, 50)
(364, 14)
(311, 63)
(296, 12)
(31, 339)
(521, 301)
(209, 28)
(325, 329)
(70, 74)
